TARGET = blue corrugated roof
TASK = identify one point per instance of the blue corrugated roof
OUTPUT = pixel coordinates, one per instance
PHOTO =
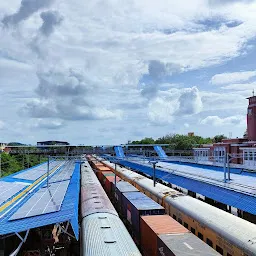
(227, 196)
(68, 211)
(141, 201)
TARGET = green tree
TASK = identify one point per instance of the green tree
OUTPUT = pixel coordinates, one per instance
(144, 141)
(219, 138)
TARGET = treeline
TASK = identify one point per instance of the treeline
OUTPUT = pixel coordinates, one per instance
(13, 163)
(181, 142)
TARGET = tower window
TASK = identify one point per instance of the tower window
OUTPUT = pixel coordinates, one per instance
(249, 111)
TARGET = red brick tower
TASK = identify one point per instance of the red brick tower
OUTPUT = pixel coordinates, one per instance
(251, 118)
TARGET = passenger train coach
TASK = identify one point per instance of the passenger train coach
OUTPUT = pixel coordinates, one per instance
(102, 231)
(227, 234)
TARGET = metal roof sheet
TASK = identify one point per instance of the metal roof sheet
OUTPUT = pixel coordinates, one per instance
(68, 211)
(106, 235)
(124, 186)
(184, 245)
(141, 201)
(93, 197)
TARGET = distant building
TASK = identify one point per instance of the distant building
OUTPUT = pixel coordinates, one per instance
(52, 142)
(191, 134)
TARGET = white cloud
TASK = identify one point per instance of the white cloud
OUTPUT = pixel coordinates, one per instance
(241, 87)
(174, 103)
(218, 121)
(190, 102)
(2, 125)
(234, 77)
(48, 124)
(113, 50)
(161, 112)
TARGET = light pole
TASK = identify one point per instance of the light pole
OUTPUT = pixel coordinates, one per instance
(48, 170)
(154, 171)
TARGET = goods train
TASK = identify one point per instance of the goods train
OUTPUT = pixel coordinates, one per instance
(102, 231)
(227, 234)
(155, 233)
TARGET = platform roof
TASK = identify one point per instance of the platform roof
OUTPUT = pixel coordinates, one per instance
(68, 211)
(221, 193)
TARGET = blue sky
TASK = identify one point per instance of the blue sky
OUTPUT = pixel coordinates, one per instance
(109, 71)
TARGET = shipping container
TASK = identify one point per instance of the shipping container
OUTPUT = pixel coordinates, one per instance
(154, 225)
(122, 187)
(109, 184)
(136, 204)
(105, 175)
(106, 235)
(183, 245)
(100, 175)
(103, 168)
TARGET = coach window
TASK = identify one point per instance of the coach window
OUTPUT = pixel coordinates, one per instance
(174, 216)
(180, 220)
(193, 230)
(228, 254)
(185, 225)
(219, 249)
(200, 236)
(209, 242)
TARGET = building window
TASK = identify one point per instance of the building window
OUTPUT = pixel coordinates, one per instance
(193, 230)
(185, 225)
(209, 242)
(180, 220)
(174, 216)
(200, 236)
(219, 249)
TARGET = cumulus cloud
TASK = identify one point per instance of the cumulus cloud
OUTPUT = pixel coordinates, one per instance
(66, 97)
(26, 9)
(190, 102)
(234, 77)
(161, 112)
(157, 72)
(51, 19)
(218, 121)
(173, 103)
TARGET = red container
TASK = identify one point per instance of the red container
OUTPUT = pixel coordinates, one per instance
(154, 225)
(110, 180)
(102, 175)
